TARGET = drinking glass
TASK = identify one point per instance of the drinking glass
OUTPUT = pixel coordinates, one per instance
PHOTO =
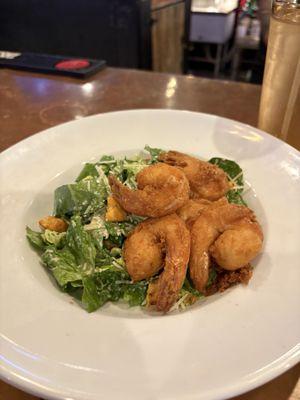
(279, 112)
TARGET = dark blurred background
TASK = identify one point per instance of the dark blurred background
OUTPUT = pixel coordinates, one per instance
(221, 39)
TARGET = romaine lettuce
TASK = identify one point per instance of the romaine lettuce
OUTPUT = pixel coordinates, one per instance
(62, 263)
(84, 198)
(235, 175)
(35, 239)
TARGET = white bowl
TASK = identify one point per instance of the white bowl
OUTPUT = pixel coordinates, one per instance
(220, 347)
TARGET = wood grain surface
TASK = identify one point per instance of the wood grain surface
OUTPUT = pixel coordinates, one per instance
(167, 35)
(30, 103)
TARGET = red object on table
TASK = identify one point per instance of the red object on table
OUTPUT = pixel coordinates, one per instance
(72, 64)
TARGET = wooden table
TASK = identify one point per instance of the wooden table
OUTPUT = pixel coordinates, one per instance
(30, 103)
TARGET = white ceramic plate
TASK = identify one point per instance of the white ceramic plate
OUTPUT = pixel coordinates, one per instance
(226, 345)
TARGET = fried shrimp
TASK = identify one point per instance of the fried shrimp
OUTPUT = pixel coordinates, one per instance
(143, 253)
(228, 233)
(193, 208)
(162, 189)
(155, 244)
(207, 181)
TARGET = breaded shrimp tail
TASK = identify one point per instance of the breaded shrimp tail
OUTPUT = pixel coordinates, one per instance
(162, 189)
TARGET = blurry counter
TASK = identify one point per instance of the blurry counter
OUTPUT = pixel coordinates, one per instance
(31, 102)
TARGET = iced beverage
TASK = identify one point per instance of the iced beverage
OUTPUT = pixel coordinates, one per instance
(280, 100)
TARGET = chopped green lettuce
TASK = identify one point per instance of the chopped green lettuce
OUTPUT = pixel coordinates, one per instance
(124, 169)
(91, 299)
(232, 169)
(189, 288)
(81, 244)
(117, 231)
(154, 153)
(86, 261)
(112, 284)
(130, 169)
(105, 285)
(85, 268)
(212, 277)
(54, 238)
(84, 198)
(88, 170)
(103, 258)
(235, 176)
(187, 296)
(234, 197)
(62, 263)
(135, 293)
(35, 239)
